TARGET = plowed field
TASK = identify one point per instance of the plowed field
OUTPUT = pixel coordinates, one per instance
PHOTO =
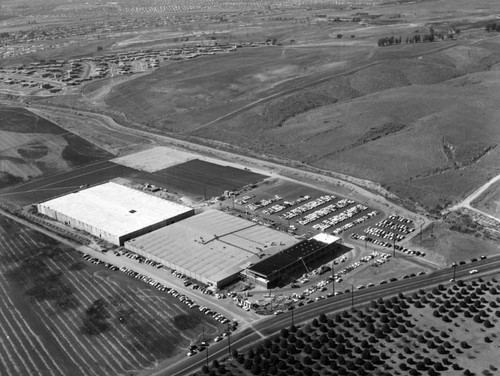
(63, 316)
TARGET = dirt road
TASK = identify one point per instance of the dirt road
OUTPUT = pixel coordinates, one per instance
(350, 186)
(466, 203)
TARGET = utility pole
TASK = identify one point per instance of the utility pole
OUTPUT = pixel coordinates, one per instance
(228, 339)
(421, 232)
(352, 296)
(394, 247)
(291, 309)
(454, 266)
(207, 354)
(333, 279)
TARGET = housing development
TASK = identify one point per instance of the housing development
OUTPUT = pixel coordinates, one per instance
(249, 188)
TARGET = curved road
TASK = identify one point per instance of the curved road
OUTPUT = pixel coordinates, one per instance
(273, 324)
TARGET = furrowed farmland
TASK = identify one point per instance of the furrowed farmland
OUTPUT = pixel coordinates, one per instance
(63, 316)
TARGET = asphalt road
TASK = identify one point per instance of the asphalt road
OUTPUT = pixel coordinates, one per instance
(273, 324)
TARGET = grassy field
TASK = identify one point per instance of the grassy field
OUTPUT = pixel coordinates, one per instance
(32, 147)
(444, 246)
(62, 315)
(449, 330)
(407, 117)
(489, 201)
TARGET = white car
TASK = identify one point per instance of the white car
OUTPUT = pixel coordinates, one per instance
(278, 312)
(217, 339)
(473, 271)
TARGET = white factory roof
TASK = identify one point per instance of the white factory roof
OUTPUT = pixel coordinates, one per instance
(116, 209)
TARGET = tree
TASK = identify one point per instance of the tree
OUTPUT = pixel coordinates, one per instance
(316, 344)
(282, 365)
(248, 363)
(284, 333)
(322, 318)
(316, 354)
(255, 369)
(99, 48)
(339, 36)
(283, 353)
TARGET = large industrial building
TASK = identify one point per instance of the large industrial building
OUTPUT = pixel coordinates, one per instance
(114, 212)
(298, 258)
(212, 247)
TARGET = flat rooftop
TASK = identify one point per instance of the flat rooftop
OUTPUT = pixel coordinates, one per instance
(212, 244)
(116, 209)
(292, 254)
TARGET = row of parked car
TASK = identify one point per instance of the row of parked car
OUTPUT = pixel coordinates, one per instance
(347, 226)
(400, 218)
(307, 207)
(191, 284)
(285, 204)
(389, 235)
(96, 261)
(323, 212)
(264, 203)
(140, 259)
(341, 217)
(395, 226)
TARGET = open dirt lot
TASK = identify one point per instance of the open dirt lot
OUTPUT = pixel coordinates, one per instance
(444, 246)
(489, 201)
(154, 159)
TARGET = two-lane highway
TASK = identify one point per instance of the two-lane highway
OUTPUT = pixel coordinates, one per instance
(273, 324)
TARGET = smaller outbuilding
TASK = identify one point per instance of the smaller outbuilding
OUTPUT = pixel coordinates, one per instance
(300, 257)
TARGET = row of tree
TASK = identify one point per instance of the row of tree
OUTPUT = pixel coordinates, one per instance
(494, 26)
(417, 38)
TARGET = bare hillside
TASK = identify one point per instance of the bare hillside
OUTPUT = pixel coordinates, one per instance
(421, 121)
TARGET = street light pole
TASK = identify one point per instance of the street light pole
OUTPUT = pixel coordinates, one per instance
(333, 279)
(291, 309)
(207, 354)
(352, 296)
(454, 266)
(228, 339)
